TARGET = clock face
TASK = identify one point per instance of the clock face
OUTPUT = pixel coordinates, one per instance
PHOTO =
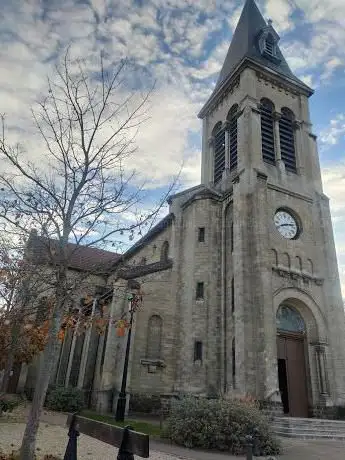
(286, 224)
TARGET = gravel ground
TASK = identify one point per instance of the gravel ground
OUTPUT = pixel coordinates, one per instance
(52, 439)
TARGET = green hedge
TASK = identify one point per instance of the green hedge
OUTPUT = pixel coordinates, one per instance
(142, 403)
(219, 424)
(9, 402)
(63, 399)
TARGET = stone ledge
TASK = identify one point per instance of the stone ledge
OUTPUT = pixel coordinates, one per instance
(285, 272)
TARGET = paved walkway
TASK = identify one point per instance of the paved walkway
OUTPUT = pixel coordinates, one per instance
(53, 435)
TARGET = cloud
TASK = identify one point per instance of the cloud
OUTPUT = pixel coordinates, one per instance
(334, 186)
(180, 44)
(332, 134)
(280, 12)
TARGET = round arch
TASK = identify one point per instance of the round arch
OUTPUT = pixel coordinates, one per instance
(316, 327)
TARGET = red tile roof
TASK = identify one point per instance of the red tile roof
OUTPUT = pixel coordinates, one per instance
(84, 258)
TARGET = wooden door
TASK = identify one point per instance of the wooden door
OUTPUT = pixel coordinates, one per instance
(291, 349)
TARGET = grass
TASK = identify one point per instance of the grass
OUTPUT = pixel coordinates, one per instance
(138, 425)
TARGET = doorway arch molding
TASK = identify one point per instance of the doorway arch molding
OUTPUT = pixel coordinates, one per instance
(309, 310)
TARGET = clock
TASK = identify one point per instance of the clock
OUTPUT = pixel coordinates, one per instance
(286, 224)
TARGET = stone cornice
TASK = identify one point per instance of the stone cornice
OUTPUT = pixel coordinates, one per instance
(285, 272)
(308, 199)
(142, 270)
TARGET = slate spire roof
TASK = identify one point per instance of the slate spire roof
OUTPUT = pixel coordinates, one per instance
(245, 45)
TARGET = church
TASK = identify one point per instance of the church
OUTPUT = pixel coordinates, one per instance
(241, 293)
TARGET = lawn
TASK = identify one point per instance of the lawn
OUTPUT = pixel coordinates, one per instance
(138, 425)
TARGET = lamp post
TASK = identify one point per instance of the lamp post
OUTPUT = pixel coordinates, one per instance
(121, 402)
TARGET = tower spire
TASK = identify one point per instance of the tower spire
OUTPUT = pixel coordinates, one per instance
(249, 43)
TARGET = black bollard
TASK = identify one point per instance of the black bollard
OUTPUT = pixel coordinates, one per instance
(256, 452)
(124, 453)
(249, 443)
(73, 433)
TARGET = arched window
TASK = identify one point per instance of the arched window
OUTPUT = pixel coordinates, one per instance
(267, 131)
(232, 119)
(165, 251)
(219, 151)
(289, 319)
(154, 337)
(287, 139)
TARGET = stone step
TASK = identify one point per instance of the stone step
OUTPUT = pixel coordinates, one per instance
(313, 421)
(308, 428)
(315, 435)
(316, 426)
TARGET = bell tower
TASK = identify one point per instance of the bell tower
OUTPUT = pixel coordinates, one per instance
(279, 257)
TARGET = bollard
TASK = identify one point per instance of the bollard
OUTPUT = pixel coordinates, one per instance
(73, 433)
(256, 452)
(124, 453)
(249, 443)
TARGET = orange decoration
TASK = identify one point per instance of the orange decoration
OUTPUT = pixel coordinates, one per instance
(120, 331)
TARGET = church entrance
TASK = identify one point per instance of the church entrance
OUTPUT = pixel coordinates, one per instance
(292, 373)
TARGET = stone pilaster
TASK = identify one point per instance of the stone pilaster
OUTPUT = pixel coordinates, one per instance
(114, 349)
(279, 161)
(85, 352)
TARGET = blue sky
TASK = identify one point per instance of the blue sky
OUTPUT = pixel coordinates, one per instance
(181, 44)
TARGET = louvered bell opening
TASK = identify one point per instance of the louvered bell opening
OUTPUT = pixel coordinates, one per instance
(267, 135)
(219, 155)
(233, 142)
(269, 47)
(287, 143)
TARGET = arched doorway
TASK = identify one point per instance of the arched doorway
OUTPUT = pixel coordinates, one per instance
(292, 375)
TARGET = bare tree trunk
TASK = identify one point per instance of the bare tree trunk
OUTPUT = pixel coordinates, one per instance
(10, 360)
(27, 451)
(7, 372)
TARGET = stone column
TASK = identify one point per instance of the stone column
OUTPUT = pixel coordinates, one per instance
(279, 161)
(249, 136)
(85, 351)
(210, 162)
(322, 370)
(298, 145)
(112, 353)
(226, 126)
(71, 355)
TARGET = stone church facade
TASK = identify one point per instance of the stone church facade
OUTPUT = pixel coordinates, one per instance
(240, 280)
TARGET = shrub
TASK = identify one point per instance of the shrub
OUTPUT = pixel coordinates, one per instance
(219, 424)
(63, 399)
(144, 403)
(8, 402)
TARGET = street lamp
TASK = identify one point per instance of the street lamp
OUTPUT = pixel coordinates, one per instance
(134, 304)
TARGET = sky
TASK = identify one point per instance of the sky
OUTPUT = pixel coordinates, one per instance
(181, 45)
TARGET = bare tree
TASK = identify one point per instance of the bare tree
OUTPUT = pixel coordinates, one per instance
(76, 190)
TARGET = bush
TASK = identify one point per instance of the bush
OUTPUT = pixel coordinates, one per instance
(219, 424)
(8, 402)
(63, 399)
(144, 404)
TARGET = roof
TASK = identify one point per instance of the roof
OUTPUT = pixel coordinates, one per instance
(80, 257)
(158, 228)
(244, 46)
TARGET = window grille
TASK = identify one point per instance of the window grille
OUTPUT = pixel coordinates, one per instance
(232, 118)
(287, 140)
(267, 131)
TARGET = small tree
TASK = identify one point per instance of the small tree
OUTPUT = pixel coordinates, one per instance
(20, 283)
(79, 191)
